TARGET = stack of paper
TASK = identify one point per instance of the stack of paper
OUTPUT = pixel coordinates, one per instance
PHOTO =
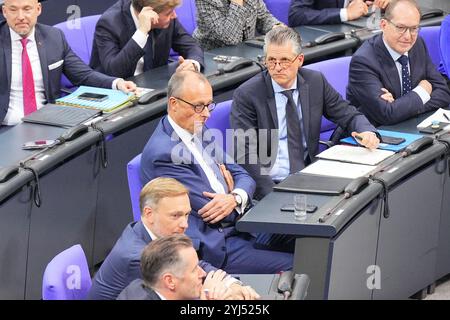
(439, 115)
(353, 154)
(338, 169)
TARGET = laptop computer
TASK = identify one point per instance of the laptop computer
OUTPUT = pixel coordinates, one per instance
(61, 116)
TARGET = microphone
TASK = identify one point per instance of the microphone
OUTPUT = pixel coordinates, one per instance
(417, 146)
(285, 283)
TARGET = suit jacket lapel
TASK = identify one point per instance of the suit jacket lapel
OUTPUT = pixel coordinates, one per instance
(188, 157)
(389, 68)
(414, 70)
(303, 93)
(130, 27)
(142, 232)
(271, 99)
(42, 50)
(6, 45)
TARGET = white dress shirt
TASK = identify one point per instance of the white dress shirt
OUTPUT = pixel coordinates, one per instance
(15, 112)
(423, 94)
(229, 279)
(15, 109)
(195, 149)
(141, 39)
(280, 170)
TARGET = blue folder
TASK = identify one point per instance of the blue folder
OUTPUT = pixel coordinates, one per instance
(115, 101)
(409, 138)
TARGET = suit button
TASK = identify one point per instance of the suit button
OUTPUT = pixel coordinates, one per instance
(224, 248)
(220, 230)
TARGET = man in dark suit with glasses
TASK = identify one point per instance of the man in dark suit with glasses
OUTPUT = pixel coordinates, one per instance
(392, 77)
(283, 107)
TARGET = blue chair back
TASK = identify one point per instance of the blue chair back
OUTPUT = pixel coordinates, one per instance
(431, 37)
(220, 119)
(186, 15)
(279, 8)
(336, 72)
(135, 185)
(66, 276)
(80, 39)
(444, 45)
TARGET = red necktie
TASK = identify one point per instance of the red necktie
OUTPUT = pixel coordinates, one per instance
(29, 96)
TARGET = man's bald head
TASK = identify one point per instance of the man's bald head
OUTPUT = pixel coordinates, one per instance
(21, 15)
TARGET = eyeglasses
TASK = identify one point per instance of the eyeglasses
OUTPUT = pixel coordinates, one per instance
(284, 63)
(198, 108)
(401, 29)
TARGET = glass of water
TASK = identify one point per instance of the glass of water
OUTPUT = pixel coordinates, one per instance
(300, 206)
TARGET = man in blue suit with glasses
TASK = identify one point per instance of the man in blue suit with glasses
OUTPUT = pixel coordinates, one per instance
(392, 77)
(219, 191)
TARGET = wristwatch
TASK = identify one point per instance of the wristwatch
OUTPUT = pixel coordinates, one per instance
(238, 199)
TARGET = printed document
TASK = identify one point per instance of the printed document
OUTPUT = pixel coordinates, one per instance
(338, 169)
(354, 154)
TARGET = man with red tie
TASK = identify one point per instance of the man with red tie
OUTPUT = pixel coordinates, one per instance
(33, 57)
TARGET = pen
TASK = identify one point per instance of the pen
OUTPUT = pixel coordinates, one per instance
(446, 117)
(358, 137)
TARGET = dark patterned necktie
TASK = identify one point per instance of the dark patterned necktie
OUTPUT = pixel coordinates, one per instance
(148, 54)
(294, 134)
(406, 79)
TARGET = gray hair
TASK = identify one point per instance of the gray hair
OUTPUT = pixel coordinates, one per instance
(162, 255)
(388, 15)
(177, 80)
(281, 36)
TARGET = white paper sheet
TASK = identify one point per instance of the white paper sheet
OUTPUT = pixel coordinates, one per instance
(437, 116)
(354, 154)
(338, 169)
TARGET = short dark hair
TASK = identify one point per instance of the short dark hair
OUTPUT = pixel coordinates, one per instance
(157, 5)
(162, 255)
(393, 3)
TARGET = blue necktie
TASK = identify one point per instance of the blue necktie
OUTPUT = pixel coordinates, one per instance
(406, 79)
(294, 134)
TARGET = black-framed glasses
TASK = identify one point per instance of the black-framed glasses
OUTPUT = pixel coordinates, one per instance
(402, 29)
(198, 108)
(284, 63)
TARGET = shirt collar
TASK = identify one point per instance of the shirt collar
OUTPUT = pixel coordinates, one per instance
(160, 295)
(133, 15)
(16, 37)
(152, 235)
(184, 135)
(394, 54)
(277, 88)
